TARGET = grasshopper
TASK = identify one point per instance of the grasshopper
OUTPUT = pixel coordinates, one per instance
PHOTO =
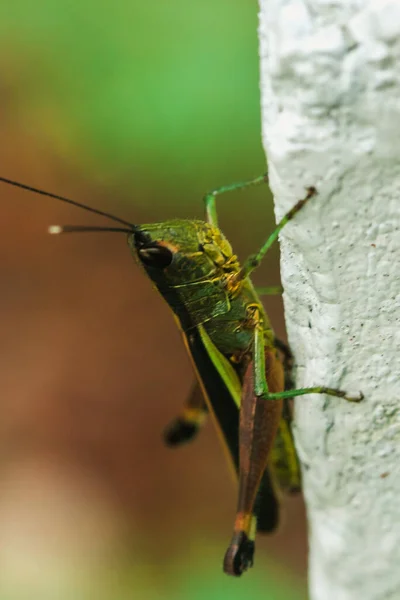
(234, 352)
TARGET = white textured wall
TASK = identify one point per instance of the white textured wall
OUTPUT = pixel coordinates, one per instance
(330, 93)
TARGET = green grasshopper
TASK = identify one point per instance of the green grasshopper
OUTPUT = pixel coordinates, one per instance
(235, 355)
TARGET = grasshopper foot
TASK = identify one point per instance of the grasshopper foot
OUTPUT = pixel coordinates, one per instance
(354, 397)
(180, 432)
(239, 556)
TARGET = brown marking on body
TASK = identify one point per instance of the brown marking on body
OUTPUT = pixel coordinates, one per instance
(259, 421)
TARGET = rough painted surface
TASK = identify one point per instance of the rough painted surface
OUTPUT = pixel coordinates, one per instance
(330, 93)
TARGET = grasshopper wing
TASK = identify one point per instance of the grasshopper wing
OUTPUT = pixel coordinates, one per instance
(222, 388)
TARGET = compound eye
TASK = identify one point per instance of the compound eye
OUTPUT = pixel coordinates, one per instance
(158, 257)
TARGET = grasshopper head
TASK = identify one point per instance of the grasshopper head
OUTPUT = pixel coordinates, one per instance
(180, 251)
(172, 253)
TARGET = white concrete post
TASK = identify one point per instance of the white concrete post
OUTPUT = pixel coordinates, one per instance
(330, 94)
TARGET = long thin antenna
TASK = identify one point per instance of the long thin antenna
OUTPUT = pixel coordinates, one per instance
(68, 201)
(58, 229)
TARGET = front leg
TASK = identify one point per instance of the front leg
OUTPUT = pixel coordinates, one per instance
(209, 199)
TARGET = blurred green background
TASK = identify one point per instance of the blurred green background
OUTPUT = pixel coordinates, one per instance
(137, 108)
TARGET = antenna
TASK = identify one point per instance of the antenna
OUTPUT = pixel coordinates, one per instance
(58, 229)
(68, 201)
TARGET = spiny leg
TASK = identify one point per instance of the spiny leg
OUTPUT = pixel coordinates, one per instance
(320, 389)
(289, 477)
(261, 385)
(254, 260)
(209, 199)
(185, 427)
(292, 393)
(258, 426)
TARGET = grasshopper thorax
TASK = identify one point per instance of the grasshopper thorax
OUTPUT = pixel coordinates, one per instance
(181, 252)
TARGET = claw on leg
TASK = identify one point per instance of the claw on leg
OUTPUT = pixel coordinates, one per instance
(239, 556)
(354, 397)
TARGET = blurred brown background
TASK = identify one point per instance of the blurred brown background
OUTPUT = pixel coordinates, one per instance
(138, 114)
